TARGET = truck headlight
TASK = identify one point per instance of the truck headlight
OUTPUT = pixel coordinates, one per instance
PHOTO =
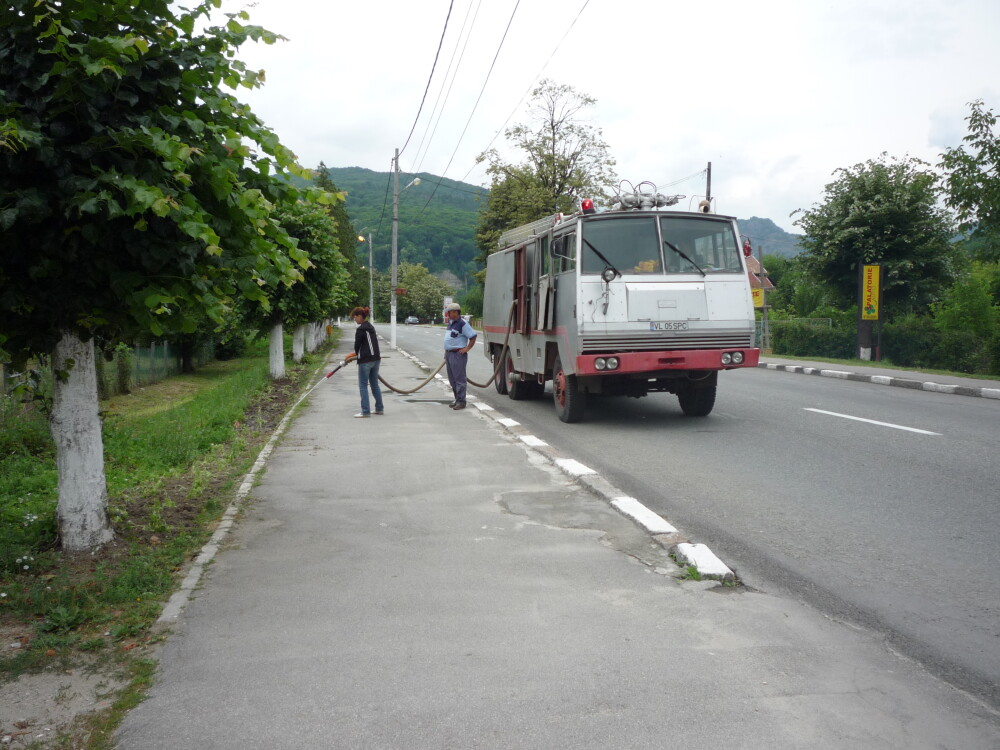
(600, 363)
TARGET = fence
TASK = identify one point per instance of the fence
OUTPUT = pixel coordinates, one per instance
(127, 368)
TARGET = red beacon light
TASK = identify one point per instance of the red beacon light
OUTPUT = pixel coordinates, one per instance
(587, 206)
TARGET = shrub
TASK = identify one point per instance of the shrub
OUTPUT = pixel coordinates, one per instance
(802, 340)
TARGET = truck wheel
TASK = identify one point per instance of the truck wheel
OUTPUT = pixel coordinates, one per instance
(500, 381)
(697, 400)
(517, 389)
(570, 401)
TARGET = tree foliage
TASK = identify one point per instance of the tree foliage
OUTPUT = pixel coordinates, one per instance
(972, 181)
(563, 160)
(135, 194)
(324, 288)
(424, 295)
(882, 211)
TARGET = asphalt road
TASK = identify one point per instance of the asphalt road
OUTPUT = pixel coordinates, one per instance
(890, 523)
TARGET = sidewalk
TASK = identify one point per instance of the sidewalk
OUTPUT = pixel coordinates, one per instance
(427, 580)
(879, 375)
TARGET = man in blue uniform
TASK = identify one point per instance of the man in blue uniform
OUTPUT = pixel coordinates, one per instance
(459, 338)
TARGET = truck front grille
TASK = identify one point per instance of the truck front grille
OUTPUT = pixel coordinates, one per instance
(649, 342)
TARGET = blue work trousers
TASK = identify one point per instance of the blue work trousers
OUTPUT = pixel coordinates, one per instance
(368, 376)
(456, 362)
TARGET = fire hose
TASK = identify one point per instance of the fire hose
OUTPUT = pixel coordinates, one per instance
(487, 384)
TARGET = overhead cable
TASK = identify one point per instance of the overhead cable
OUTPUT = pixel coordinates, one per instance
(476, 105)
(531, 85)
(452, 65)
(429, 79)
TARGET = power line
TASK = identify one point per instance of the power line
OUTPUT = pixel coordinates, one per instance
(429, 78)
(451, 63)
(481, 91)
(531, 85)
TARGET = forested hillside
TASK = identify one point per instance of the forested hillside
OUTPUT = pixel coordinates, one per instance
(772, 238)
(437, 221)
(437, 218)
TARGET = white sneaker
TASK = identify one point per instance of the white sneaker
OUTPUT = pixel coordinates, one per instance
(361, 415)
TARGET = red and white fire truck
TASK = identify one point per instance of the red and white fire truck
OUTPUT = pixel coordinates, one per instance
(628, 301)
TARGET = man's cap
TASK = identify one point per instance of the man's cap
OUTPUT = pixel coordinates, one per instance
(453, 306)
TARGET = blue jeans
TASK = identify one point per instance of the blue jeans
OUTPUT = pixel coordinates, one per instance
(368, 375)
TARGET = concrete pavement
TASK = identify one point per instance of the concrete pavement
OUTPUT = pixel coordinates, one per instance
(430, 579)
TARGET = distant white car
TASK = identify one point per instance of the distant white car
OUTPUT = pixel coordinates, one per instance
(412, 320)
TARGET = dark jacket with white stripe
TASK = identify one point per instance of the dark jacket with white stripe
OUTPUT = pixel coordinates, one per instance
(366, 343)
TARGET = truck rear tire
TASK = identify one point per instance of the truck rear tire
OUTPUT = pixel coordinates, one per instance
(500, 381)
(517, 389)
(697, 399)
(569, 400)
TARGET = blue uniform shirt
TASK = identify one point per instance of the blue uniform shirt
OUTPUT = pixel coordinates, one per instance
(458, 334)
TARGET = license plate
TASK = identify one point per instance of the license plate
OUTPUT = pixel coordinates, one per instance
(669, 325)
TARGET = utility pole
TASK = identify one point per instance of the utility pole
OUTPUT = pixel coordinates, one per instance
(708, 186)
(395, 240)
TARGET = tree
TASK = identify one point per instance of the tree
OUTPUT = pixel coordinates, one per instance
(972, 181)
(347, 240)
(135, 195)
(424, 295)
(564, 160)
(325, 286)
(882, 211)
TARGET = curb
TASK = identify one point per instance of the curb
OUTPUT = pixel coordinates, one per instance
(662, 532)
(919, 385)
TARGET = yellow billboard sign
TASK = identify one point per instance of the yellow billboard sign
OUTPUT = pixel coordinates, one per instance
(870, 289)
(758, 297)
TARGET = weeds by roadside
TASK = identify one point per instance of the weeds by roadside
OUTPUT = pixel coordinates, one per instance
(173, 454)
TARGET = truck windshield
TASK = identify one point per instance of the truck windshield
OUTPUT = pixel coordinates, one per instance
(709, 244)
(628, 243)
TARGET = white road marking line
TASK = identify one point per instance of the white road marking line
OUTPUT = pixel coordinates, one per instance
(872, 421)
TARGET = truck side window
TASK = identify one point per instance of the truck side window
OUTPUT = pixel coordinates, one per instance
(546, 265)
(564, 253)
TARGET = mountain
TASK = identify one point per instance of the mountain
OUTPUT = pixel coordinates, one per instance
(437, 221)
(437, 218)
(764, 233)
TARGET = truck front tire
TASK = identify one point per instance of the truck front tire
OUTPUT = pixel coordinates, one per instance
(569, 400)
(698, 398)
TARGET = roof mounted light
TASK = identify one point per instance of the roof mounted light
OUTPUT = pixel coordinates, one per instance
(609, 275)
(587, 206)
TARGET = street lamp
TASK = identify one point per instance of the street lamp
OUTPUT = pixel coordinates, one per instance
(371, 284)
(395, 239)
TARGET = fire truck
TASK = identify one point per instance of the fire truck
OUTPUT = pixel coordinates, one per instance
(633, 300)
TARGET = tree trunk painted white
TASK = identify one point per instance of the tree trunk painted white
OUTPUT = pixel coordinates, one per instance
(277, 352)
(311, 337)
(298, 342)
(82, 511)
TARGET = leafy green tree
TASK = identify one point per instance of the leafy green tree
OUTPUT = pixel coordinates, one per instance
(972, 181)
(969, 304)
(564, 160)
(135, 194)
(424, 292)
(325, 286)
(882, 211)
(347, 242)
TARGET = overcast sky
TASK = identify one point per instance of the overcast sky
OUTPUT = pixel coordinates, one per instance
(775, 94)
